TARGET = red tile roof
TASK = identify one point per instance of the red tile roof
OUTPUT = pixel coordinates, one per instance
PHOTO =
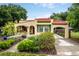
(59, 22)
(55, 22)
(43, 19)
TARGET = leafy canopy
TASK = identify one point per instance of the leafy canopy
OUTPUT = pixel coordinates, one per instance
(11, 12)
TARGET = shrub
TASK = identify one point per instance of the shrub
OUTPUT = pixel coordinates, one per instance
(10, 41)
(35, 42)
(3, 45)
(5, 37)
(6, 44)
(32, 38)
(28, 45)
(8, 29)
(46, 41)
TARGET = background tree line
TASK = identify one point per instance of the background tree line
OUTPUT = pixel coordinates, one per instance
(71, 15)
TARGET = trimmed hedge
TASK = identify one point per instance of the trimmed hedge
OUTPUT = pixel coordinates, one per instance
(6, 44)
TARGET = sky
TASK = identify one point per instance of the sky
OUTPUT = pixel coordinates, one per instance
(44, 10)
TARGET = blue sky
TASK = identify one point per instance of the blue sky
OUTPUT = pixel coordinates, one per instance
(39, 10)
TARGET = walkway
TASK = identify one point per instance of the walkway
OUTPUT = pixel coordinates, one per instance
(12, 49)
(66, 46)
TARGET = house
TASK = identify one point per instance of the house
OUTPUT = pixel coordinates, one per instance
(39, 25)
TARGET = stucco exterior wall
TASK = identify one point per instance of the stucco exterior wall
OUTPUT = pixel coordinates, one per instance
(34, 23)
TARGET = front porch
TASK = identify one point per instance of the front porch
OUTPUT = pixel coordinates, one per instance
(31, 30)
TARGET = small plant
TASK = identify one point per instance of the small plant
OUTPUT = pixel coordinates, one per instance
(5, 37)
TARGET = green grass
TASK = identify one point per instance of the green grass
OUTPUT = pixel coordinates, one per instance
(75, 36)
(20, 54)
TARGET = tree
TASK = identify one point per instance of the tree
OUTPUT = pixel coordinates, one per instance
(8, 29)
(55, 16)
(17, 12)
(4, 17)
(59, 16)
(73, 16)
(11, 12)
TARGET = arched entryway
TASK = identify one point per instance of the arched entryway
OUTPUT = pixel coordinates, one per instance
(21, 29)
(60, 31)
(64, 29)
(32, 30)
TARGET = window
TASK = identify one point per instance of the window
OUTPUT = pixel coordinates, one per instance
(39, 28)
(43, 28)
(46, 28)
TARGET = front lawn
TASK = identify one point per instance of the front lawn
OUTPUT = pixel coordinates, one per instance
(75, 36)
(20, 54)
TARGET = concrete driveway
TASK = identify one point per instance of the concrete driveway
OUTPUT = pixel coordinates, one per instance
(66, 46)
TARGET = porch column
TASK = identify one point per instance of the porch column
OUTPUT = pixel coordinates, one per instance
(15, 29)
(35, 29)
(66, 32)
(28, 31)
(52, 28)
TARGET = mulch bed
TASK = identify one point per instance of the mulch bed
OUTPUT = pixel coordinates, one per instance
(50, 52)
